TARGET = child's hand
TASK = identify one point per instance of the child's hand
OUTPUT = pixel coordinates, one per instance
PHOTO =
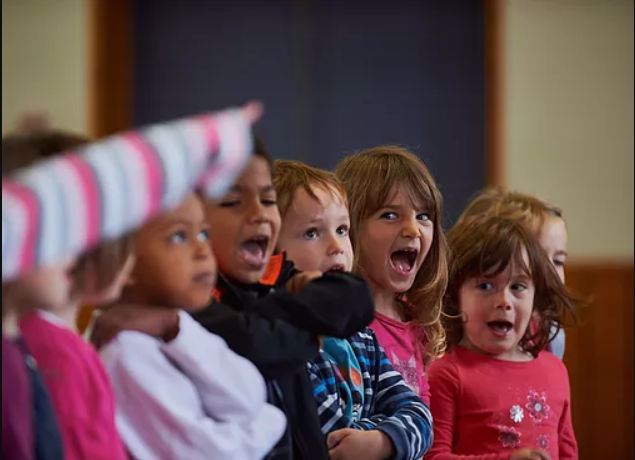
(252, 111)
(158, 322)
(529, 454)
(298, 281)
(353, 444)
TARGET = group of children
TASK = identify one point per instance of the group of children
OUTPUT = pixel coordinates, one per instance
(280, 312)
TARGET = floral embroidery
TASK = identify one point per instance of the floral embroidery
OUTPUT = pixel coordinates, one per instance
(508, 436)
(407, 369)
(516, 413)
(537, 406)
(543, 441)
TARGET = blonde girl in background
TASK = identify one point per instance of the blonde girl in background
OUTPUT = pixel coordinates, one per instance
(542, 220)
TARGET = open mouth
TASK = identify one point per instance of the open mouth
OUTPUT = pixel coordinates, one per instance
(254, 251)
(337, 268)
(403, 260)
(500, 327)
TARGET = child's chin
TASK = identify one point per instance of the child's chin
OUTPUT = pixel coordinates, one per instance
(198, 305)
(251, 276)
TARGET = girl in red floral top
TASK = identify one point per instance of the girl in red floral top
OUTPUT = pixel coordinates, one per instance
(496, 394)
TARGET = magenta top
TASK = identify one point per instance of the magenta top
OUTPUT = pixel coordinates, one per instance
(403, 346)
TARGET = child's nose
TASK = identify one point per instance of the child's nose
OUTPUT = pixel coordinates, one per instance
(257, 212)
(334, 245)
(410, 228)
(503, 301)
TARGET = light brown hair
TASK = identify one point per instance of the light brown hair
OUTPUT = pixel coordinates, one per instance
(288, 176)
(529, 210)
(369, 177)
(487, 244)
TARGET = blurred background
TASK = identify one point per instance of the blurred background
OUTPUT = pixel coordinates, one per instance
(536, 95)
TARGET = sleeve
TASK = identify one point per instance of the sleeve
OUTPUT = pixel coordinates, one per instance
(398, 411)
(335, 305)
(273, 345)
(324, 383)
(231, 395)
(164, 412)
(567, 444)
(61, 207)
(445, 389)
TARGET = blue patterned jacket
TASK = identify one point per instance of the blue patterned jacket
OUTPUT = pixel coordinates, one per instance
(388, 404)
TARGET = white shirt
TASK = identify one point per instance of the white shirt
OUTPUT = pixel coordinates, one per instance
(190, 398)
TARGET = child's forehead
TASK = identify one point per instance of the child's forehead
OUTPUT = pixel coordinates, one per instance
(403, 194)
(256, 172)
(191, 211)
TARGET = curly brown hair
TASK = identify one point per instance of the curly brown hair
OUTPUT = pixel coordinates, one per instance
(488, 244)
(369, 176)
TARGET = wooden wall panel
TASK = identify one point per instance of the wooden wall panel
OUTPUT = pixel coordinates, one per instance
(111, 66)
(599, 356)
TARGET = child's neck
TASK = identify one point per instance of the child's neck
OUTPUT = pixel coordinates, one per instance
(10, 327)
(69, 315)
(386, 304)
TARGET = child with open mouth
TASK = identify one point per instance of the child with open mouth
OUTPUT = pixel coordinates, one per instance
(400, 249)
(270, 313)
(366, 409)
(496, 392)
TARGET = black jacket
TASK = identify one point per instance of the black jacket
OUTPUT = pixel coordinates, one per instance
(278, 331)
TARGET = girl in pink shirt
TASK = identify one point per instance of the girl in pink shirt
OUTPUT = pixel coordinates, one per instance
(496, 394)
(400, 249)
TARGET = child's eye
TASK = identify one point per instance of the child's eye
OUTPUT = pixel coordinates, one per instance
(178, 237)
(311, 234)
(203, 235)
(342, 230)
(229, 203)
(389, 215)
(423, 217)
(268, 201)
(558, 262)
(519, 287)
(485, 286)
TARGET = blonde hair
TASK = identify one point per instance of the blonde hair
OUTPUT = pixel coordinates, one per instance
(528, 210)
(488, 244)
(288, 176)
(369, 177)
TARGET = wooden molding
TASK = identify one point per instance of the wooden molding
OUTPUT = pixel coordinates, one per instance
(494, 117)
(599, 357)
(110, 66)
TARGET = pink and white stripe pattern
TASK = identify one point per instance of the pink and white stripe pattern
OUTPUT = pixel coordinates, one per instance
(61, 207)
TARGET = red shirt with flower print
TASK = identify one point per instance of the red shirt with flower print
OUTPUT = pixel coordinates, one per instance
(487, 408)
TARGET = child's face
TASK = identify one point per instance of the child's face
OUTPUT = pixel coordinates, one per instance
(553, 239)
(47, 288)
(315, 233)
(174, 262)
(496, 312)
(245, 224)
(394, 241)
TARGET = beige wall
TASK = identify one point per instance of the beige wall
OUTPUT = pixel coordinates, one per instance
(568, 115)
(44, 61)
